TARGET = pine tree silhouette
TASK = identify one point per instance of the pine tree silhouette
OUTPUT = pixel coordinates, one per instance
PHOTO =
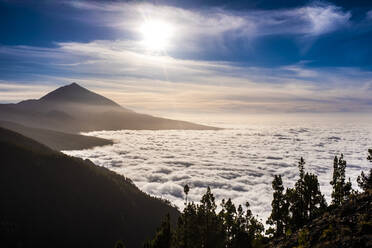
(341, 188)
(279, 214)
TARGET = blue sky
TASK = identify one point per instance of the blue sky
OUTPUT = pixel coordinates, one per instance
(218, 56)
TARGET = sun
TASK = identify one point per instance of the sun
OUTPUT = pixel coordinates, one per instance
(156, 35)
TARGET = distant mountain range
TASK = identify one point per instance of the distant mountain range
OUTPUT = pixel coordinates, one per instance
(49, 199)
(57, 140)
(73, 109)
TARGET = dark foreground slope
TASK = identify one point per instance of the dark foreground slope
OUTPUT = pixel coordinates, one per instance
(347, 226)
(49, 199)
(56, 140)
(72, 108)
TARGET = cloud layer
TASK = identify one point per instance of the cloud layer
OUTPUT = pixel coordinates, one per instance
(237, 163)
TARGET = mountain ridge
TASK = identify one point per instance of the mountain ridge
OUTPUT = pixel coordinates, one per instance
(55, 139)
(51, 199)
(76, 93)
(73, 108)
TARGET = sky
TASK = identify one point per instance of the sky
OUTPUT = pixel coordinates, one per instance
(193, 57)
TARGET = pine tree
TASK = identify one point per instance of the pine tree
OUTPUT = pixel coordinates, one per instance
(305, 200)
(314, 201)
(162, 237)
(187, 230)
(241, 238)
(254, 228)
(341, 188)
(186, 190)
(210, 227)
(200, 226)
(279, 214)
(228, 216)
(300, 190)
(296, 199)
(365, 181)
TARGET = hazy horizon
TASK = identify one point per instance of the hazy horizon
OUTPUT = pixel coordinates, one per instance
(215, 117)
(194, 57)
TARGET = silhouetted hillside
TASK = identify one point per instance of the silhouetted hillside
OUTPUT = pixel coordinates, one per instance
(347, 226)
(49, 199)
(56, 140)
(73, 108)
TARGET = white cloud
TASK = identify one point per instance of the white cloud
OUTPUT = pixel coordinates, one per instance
(196, 27)
(324, 19)
(369, 15)
(238, 162)
(15, 92)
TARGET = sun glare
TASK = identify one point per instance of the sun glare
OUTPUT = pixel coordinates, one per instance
(156, 35)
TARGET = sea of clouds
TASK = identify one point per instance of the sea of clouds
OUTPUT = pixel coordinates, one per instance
(238, 162)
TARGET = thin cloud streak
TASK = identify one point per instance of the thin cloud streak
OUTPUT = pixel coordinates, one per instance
(11, 92)
(369, 15)
(218, 24)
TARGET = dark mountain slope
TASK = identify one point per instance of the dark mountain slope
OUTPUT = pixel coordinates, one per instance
(347, 226)
(50, 199)
(73, 108)
(56, 140)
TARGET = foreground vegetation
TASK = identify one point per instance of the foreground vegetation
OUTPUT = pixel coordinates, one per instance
(294, 212)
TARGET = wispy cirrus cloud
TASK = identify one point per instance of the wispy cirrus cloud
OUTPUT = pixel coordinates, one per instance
(11, 91)
(369, 15)
(219, 25)
(160, 83)
(152, 82)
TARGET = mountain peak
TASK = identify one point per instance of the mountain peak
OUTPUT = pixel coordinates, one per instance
(74, 85)
(74, 93)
